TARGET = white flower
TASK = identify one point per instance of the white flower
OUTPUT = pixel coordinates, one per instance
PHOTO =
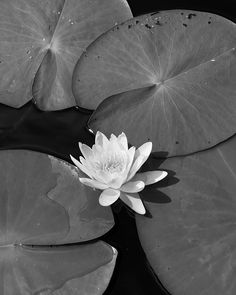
(111, 167)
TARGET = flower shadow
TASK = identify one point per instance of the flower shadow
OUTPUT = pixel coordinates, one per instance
(154, 193)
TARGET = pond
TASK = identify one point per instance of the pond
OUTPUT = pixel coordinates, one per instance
(52, 125)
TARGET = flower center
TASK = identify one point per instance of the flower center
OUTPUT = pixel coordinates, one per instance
(111, 165)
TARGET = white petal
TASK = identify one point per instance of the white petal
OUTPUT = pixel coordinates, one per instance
(131, 153)
(123, 140)
(108, 197)
(145, 149)
(87, 164)
(83, 161)
(150, 177)
(93, 183)
(141, 155)
(133, 187)
(113, 138)
(85, 150)
(97, 150)
(90, 130)
(81, 167)
(136, 166)
(116, 182)
(134, 202)
(115, 146)
(130, 158)
(102, 176)
(101, 140)
(76, 162)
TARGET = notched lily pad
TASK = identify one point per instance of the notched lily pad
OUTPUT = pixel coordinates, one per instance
(186, 58)
(190, 241)
(35, 187)
(42, 206)
(88, 219)
(40, 42)
(25, 210)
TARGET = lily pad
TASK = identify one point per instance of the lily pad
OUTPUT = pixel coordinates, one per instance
(34, 187)
(93, 283)
(88, 219)
(25, 210)
(43, 206)
(27, 271)
(169, 75)
(41, 41)
(190, 241)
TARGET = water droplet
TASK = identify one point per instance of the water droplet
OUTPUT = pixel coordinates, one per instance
(13, 84)
(148, 26)
(44, 39)
(191, 15)
(212, 59)
(58, 12)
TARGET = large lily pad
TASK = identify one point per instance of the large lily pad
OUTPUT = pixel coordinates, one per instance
(190, 241)
(40, 42)
(43, 204)
(170, 76)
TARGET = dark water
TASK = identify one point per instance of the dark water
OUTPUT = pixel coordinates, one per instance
(57, 133)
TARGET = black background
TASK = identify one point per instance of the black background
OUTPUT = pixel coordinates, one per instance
(57, 133)
(225, 8)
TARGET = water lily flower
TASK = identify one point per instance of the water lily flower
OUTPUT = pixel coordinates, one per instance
(112, 168)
